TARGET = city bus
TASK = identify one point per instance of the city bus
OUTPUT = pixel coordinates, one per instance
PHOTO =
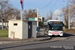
(53, 27)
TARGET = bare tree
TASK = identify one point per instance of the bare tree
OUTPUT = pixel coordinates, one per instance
(6, 11)
(73, 8)
(3, 6)
(66, 10)
(49, 17)
(29, 14)
(25, 15)
(34, 13)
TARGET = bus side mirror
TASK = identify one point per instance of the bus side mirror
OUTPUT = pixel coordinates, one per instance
(48, 23)
(63, 24)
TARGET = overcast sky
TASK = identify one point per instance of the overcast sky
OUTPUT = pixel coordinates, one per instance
(33, 4)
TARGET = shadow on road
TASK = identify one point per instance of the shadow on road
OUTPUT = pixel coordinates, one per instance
(68, 34)
(41, 36)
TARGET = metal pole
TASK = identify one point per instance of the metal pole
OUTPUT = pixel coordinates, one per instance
(21, 13)
(37, 18)
(69, 16)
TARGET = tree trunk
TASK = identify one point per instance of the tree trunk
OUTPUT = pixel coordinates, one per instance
(5, 25)
(2, 24)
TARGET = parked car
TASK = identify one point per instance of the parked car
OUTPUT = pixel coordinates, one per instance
(4, 27)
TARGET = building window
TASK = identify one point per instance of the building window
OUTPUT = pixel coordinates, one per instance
(15, 24)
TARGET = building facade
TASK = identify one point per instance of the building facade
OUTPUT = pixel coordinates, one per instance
(41, 19)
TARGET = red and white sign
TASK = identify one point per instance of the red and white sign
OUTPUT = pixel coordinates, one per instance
(55, 33)
(35, 18)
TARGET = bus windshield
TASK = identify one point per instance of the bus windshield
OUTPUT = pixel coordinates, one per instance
(56, 27)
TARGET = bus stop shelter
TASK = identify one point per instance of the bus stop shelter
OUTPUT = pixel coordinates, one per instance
(22, 29)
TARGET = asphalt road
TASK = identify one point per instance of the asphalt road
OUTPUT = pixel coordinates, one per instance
(68, 44)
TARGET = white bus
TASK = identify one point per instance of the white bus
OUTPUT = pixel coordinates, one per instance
(54, 27)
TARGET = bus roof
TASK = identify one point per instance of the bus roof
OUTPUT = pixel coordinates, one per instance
(55, 20)
(46, 23)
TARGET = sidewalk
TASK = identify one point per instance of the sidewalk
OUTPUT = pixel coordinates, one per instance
(11, 41)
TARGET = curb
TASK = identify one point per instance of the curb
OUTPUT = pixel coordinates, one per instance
(13, 42)
(25, 41)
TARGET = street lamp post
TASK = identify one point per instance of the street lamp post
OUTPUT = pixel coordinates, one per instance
(21, 13)
(37, 18)
(69, 16)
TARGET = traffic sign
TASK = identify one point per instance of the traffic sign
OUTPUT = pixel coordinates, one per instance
(31, 18)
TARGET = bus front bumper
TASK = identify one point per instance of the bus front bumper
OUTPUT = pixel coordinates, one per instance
(55, 34)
